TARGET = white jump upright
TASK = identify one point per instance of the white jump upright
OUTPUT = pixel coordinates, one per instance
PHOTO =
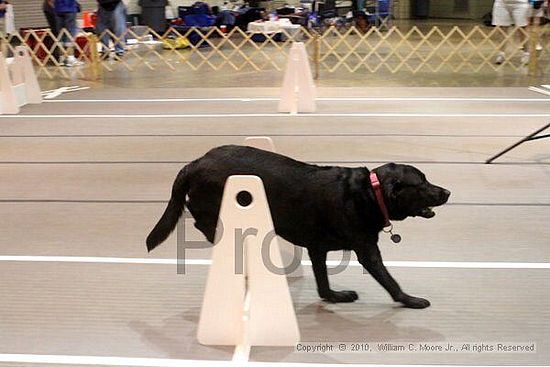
(246, 303)
(288, 250)
(260, 142)
(8, 100)
(18, 83)
(298, 93)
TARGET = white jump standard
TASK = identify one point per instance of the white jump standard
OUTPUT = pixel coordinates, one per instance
(298, 93)
(250, 305)
(18, 82)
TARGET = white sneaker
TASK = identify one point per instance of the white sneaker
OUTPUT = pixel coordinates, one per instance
(525, 57)
(71, 61)
(500, 58)
(539, 47)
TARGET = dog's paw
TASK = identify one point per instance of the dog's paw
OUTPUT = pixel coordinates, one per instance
(341, 296)
(413, 302)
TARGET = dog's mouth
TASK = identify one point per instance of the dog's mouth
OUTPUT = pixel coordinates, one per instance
(426, 213)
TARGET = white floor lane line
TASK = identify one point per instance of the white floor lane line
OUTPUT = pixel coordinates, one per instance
(281, 115)
(102, 361)
(158, 362)
(328, 99)
(395, 264)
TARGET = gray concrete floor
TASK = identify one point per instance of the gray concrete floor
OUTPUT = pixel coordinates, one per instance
(94, 186)
(273, 78)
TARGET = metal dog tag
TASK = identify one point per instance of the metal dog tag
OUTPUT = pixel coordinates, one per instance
(395, 238)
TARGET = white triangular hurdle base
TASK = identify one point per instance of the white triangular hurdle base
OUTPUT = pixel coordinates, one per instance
(292, 260)
(298, 93)
(18, 83)
(246, 305)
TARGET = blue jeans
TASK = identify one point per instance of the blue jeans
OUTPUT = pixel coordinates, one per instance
(115, 21)
(67, 21)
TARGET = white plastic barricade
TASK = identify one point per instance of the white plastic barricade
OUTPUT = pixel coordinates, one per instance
(246, 302)
(292, 256)
(298, 93)
(18, 83)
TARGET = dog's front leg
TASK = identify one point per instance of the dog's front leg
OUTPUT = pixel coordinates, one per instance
(319, 263)
(369, 256)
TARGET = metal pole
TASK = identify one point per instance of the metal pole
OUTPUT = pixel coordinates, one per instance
(533, 40)
(94, 57)
(316, 55)
(527, 138)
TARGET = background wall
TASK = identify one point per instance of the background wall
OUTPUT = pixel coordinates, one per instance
(464, 9)
(28, 13)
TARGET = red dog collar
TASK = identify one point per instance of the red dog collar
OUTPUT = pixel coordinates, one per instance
(380, 198)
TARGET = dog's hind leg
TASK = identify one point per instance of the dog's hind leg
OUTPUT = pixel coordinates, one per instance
(208, 228)
(319, 263)
(369, 256)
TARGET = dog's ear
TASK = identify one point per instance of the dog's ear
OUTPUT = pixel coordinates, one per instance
(390, 167)
(395, 187)
(396, 183)
(386, 171)
(388, 177)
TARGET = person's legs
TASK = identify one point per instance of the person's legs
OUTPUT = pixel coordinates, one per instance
(102, 24)
(535, 20)
(119, 27)
(52, 21)
(501, 14)
(536, 23)
(68, 30)
(520, 15)
(62, 39)
(54, 29)
(501, 18)
(73, 30)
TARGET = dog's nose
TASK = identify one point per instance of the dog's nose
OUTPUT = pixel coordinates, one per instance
(445, 194)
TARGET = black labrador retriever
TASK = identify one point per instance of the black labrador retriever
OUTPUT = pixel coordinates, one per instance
(320, 208)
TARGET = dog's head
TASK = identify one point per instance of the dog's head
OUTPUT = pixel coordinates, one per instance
(407, 193)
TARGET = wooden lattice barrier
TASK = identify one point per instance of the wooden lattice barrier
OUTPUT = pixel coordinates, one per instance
(427, 50)
(434, 50)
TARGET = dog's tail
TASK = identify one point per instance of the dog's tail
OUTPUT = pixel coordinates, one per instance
(172, 213)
